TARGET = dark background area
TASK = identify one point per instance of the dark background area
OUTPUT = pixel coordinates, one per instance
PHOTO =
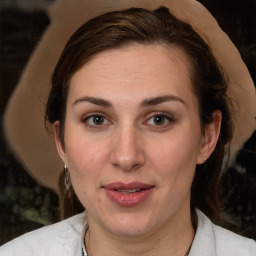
(25, 205)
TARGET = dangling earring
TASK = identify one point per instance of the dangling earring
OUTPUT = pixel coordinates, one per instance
(67, 180)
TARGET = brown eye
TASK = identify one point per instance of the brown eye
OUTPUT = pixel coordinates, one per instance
(159, 120)
(96, 120)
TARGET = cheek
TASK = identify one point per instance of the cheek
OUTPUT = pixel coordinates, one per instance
(85, 157)
(177, 150)
(175, 157)
(85, 161)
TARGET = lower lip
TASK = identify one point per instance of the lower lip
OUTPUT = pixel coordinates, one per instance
(128, 200)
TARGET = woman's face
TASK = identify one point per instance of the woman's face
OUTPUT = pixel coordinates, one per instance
(133, 139)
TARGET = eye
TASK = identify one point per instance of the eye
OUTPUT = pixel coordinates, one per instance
(159, 120)
(96, 120)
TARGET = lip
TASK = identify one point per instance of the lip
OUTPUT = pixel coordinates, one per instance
(129, 199)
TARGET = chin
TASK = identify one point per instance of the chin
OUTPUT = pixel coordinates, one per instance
(129, 226)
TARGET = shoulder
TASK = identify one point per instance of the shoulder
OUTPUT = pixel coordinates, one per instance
(212, 240)
(229, 242)
(62, 238)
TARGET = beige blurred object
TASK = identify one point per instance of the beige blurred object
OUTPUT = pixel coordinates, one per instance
(24, 117)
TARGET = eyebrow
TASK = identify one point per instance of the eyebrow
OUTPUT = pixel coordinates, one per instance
(145, 103)
(93, 100)
(158, 100)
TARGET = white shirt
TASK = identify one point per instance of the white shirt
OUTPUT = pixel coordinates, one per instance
(66, 239)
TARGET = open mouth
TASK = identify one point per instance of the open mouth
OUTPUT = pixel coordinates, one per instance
(127, 191)
(130, 194)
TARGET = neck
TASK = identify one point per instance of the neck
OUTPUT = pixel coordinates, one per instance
(174, 238)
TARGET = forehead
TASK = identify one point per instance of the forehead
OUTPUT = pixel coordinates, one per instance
(154, 69)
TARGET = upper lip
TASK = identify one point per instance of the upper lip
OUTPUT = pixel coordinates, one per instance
(127, 186)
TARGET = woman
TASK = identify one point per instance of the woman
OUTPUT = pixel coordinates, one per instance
(141, 121)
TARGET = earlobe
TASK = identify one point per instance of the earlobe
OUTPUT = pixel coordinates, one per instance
(211, 135)
(58, 142)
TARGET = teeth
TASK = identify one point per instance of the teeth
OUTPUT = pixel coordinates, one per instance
(128, 191)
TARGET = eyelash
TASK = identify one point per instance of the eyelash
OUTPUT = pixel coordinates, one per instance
(95, 115)
(167, 120)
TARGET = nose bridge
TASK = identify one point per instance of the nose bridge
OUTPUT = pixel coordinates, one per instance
(127, 151)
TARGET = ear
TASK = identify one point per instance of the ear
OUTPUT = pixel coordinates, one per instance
(210, 138)
(58, 142)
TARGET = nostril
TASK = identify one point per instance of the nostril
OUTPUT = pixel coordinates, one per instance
(126, 152)
(127, 163)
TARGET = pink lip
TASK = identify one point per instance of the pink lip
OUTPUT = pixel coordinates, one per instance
(130, 199)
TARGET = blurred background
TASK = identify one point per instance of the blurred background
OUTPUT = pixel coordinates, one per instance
(25, 204)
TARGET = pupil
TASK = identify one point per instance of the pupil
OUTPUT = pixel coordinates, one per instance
(159, 120)
(98, 120)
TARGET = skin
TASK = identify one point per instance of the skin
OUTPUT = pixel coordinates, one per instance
(128, 145)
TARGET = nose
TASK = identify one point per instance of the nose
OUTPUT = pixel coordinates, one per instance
(127, 152)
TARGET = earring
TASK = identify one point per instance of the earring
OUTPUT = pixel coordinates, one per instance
(205, 159)
(67, 180)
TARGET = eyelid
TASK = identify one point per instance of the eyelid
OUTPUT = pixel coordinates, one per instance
(94, 114)
(168, 116)
(86, 116)
(159, 113)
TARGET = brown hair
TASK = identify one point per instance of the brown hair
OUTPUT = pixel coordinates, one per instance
(121, 28)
